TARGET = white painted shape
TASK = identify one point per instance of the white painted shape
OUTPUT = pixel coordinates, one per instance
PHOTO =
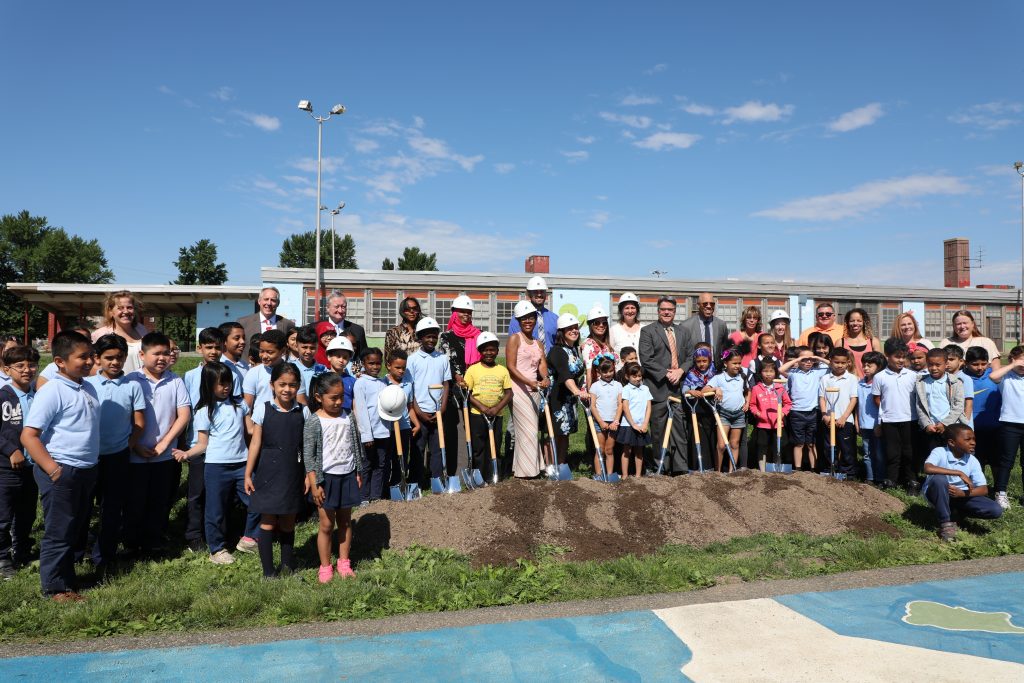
(291, 300)
(213, 312)
(763, 640)
(917, 308)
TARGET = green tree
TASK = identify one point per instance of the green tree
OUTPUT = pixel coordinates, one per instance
(31, 250)
(414, 259)
(197, 265)
(388, 264)
(299, 251)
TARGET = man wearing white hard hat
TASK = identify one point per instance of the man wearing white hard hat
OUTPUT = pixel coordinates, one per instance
(429, 367)
(626, 332)
(491, 387)
(547, 320)
(524, 358)
(663, 358)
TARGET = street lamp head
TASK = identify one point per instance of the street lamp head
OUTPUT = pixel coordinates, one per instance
(1017, 165)
(306, 105)
(341, 205)
(338, 109)
(323, 208)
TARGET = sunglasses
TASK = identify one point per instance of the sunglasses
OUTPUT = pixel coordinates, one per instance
(708, 303)
(826, 316)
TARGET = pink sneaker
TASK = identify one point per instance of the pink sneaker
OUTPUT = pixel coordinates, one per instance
(345, 569)
(326, 573)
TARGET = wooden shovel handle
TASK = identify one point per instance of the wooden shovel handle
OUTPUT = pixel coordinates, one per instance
(398, 440)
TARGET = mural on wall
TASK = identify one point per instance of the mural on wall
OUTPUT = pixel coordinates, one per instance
(579, 302)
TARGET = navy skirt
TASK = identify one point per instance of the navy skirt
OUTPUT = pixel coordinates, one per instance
(340, 491)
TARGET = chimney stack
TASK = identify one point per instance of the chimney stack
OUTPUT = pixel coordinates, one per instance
(956, 262)
(538, 264)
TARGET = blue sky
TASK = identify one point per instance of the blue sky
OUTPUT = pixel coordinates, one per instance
(776, 140)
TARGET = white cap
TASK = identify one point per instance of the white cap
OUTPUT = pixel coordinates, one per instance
(628, 298)
(463, 303)
(523, 308)
(486, 338)
(340, 343)
(536, 284)
(427, 323)
(778, 314)
(567, 320)
(391, 403)
(595, 313)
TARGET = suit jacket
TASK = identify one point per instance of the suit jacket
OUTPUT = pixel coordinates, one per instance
(656, 358)
(251, 325)
(358, 332)
(694, 328)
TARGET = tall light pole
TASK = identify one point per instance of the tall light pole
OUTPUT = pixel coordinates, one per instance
(1019, 166)
(336, 110)
(334, 236)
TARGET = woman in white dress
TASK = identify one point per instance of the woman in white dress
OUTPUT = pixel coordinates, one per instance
(626, 332)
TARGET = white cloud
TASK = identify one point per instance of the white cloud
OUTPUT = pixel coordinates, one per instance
(163, 89)
(754, 110)
(503, 168)
(997, 170)
(438, 149)
(223, 93)
(576, 156)
(261, 121)
(586, 139)
(698, 109)
(866, 197)
(626, 119)
(990, 115)
(857, 118)
(601, 197)
(638, 100)
(327, 164)
(597, 220)
(365, 146)
(667, 140)
(656, 69)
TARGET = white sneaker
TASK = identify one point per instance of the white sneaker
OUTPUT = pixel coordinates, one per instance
(247, 545)
(1003, 500)
(549, 470)
(222, 557)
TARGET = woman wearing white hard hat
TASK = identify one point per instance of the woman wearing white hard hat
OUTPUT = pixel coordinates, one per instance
(458, 342)
(597, 342)
(547, 320)
(567, 372)
(626, 332)
(524, 358)
(778, 325)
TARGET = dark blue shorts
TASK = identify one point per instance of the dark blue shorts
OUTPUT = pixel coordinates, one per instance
(803, 425)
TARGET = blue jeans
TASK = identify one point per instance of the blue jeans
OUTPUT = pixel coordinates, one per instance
(65, 510)
(874, 455)
(937, 493)
(223, 479)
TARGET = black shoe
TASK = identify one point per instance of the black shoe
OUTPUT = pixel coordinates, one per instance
(913, 488)
(197, 546)
(888, 484)
(7, 571)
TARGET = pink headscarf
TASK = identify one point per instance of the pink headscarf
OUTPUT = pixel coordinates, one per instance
(469, 332)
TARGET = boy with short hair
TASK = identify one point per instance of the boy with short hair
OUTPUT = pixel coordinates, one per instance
(234, 346)
(804, 379)
(18, 490)
(893, 392)
(62, 437)
(256, 385)
(955, 367)
(988, 403)
(838, 407)
(940, 400)
(152, 466)
(491, 390)
(306, 343)
(955, 482)
(429, 367)
(1010, 379)
(122, 419)
(374, 433)
(872, 363)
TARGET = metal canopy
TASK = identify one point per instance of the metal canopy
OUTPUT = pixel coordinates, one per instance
(157, 300)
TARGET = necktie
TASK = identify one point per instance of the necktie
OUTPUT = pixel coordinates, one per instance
(267, 325)
(707, 334)
(539, 330)
(671, 333)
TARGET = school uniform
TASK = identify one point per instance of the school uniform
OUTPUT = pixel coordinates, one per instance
(257, 384)
(606, 400)
(846, 435)
(405, 434)
(238, 372)
(867, 418)
(988, 403)
(968, 382)
(896, 390)
(195, 487)
(936, 488)
(764, 407)
(278, 475)
(307, 373)
(226, 456)
(67, 415)
(331, 450)
(1011, 426)
(119, 398)
(803, 388)
(488, 385)
(638, 398)
(940, 402)
(152, 480)
(374, 434)
(730, 407)
(427, 369)
(18, 491)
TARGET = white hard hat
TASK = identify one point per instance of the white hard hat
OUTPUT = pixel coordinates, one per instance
(778, 314)
(391, 403)
(463, 303)
(595, 313)
(628, 298)
(567, 320)
(426, 323)
(523, 308)
(486, 338)
(340, 343)
(536, 284)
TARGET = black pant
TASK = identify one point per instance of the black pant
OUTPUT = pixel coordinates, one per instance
(111, 491)
(678, 443)
(762, 444)
(409, 460)
(195, 499)
(65, 510)
(148, 502)
(18, 496)
(988, 447)
(378, 454)
(899, 451)
(1011, 441)
(708, 439)
(482, 445)
(428, 444)
(846, 449)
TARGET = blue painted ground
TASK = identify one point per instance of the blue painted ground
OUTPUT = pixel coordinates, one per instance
(877, 613)
(631, 646)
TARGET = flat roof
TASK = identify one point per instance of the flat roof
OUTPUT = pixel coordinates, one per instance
(399, 279)
(87, 300)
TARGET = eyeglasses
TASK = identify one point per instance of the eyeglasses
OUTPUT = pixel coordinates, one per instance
(666, 310)
(825, 316)
(707, 303)
(412, 308)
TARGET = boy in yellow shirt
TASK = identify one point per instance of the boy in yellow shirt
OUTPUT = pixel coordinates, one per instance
(491, 388)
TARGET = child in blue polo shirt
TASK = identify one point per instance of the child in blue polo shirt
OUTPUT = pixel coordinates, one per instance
(839, 406)
(872, 363)
(955, 482)
(804, 381)
(256, 385)
(122, 419)
(234, 347)
(373, 432)
(988, 404)
(408, 425)
(893, 392)
(18, 491)
(429, 367)
(62, 436)
(305, 360)
(1010, 379)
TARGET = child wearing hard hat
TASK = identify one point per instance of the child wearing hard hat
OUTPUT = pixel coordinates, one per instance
(491, 390)
(339, 353)
(429, 367)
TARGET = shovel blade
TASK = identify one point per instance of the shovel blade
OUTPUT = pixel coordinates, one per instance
(778, 468)
(478, 478)
(466, 476)
(608, 478)
(396, 493)
(563, 473)
(413, 492)
(436, 485)
(453, 485)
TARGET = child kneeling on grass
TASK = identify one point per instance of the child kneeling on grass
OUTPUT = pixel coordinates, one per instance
(955, 482)
(334, 460)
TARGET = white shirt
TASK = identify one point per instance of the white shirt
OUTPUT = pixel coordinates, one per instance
(267, 324)
(847, 386)
(338, 457)
(897, 392)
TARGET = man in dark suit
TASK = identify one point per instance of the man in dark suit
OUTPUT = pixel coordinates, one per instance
(266, 319)
(705, 327)
(337, 308)
(661, 354)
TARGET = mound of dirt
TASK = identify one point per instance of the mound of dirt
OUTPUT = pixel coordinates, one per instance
(498, 524)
